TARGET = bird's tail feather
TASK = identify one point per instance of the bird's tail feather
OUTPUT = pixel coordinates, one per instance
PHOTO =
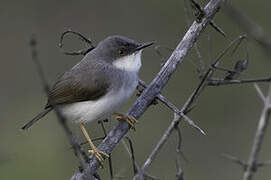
(35, 119)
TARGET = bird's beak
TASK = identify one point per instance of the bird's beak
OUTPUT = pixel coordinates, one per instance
(144, 45)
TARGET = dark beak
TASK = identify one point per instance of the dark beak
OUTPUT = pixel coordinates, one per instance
(144, 45)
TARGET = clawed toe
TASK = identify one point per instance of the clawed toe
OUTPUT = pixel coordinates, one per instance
(98, 155)
(129, 119)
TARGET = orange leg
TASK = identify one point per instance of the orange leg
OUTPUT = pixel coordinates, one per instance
(93, 150)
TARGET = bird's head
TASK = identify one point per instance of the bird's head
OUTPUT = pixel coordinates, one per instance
(122, 52)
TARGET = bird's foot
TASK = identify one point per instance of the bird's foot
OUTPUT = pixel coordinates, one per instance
(94, 150)
(129, 119)
(98, 155)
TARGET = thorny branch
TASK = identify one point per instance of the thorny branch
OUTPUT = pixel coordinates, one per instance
(152, 92)
(175, 109)
(155, 87)
(203, 83)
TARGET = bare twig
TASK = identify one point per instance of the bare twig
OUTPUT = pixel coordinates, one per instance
(132, 154)
(203, 83)
(174, 109)
(260, 93)
(235, 160)
(161, 142)
(110, 157)
(258, 139)
(180, 173)
(155, 87)
(136, 169)
(83, 38)
(220, 82)
(264, 39)
(82, 157)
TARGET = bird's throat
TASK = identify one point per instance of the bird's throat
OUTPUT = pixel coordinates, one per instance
(131, 63)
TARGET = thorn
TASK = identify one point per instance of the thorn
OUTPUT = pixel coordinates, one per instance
(200, 11)
(190, 122)
(259, 91)
(234, 159)
(201, 14)
(217, 28)
(190, 109)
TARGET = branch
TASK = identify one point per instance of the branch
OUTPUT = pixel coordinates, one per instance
(155, 87)
(235, 160)
(264, 39)
(180, 173)
(202, 13)
(83, 38)
(186, 107)
(161, 142)
(82, 157)
(219, 82)
(258, 139)
(175, 109)
(136, 169)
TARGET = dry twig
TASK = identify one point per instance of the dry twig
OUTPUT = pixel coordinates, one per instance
(252, 163)
(82, 157)
(186, 107)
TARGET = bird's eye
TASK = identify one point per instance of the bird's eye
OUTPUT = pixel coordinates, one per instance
(121, 52)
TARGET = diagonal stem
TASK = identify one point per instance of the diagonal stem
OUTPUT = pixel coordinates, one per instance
(258, 139)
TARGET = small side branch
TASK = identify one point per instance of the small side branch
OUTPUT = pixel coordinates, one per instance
(180, 173)
(83, 38)
(220, 82)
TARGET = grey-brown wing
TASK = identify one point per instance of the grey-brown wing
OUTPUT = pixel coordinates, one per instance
(79, 84)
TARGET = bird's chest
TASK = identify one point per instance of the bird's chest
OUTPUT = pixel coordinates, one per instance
(127, 86)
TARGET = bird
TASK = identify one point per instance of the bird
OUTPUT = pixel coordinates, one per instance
(97, 86)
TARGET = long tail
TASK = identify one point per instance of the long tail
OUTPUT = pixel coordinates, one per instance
(35, 119)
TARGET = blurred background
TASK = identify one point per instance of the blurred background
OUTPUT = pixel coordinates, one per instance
(228, 114)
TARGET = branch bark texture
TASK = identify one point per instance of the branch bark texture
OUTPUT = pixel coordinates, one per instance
(155, 87)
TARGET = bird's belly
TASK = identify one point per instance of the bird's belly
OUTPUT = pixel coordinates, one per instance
(87, 111)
